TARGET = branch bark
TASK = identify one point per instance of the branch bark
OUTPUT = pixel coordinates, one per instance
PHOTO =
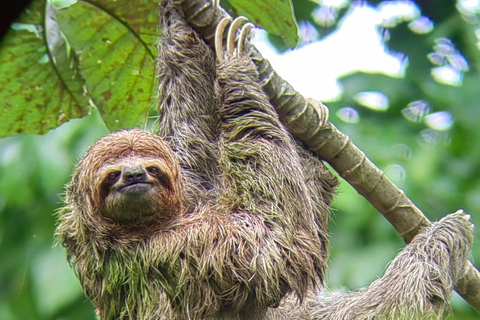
(304, 119)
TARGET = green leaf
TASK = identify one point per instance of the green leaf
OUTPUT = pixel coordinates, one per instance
(275, 16)
(118, 66)
(141, 16)
(40, 88)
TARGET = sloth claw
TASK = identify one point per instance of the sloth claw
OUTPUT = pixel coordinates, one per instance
(244, 34)
(231, 37)
(219, 37)
(232, 32)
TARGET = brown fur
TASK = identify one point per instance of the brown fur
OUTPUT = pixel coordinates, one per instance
(109, 152)
(242, 208)
(248, 214)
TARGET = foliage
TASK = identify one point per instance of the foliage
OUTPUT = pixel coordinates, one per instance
(45, 78)
(35, 280)
(61, 55)
(36, 98)
(274, 16)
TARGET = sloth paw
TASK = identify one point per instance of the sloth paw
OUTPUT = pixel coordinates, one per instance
(455, 231)
(244, 34)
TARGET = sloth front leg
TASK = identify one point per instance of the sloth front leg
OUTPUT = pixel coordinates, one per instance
(245, 111)
(187, 107)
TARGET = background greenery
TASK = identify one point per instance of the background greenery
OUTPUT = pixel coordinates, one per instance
(438, 169)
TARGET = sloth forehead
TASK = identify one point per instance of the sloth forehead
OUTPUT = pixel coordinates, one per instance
(127, 146)
(119, 164)
(130, 143)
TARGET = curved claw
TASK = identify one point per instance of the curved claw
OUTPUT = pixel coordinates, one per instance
(244, 34)
(232, 32)
(219, 37)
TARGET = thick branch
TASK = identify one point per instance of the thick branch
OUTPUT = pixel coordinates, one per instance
(304, 120)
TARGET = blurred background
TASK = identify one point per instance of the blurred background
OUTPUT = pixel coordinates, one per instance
(401, 78)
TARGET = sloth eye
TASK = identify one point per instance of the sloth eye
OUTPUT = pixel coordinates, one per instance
(112, 176)
(153, 171)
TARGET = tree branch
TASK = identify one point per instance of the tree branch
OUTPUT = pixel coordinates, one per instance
(304, 119)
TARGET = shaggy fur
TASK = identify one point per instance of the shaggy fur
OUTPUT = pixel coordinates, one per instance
(417, 285)
(241, 225)
(252, 221)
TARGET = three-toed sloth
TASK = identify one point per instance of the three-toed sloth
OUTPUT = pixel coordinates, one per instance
(223, 215)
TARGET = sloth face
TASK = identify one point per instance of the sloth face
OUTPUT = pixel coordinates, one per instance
(133, 187)
(130, 177)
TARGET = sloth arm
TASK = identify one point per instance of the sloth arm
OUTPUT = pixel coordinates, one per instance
(417, 284)
(188, 118)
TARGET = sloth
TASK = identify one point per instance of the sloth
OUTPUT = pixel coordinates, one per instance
(222, 214)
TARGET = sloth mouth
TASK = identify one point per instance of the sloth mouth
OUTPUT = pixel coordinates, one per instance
(136, 186)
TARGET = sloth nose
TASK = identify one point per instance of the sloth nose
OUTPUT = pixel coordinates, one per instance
(134, 174)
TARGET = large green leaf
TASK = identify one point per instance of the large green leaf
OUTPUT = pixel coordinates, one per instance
(118, 67)
(103, 52)
(275, 16)
(39, 85)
